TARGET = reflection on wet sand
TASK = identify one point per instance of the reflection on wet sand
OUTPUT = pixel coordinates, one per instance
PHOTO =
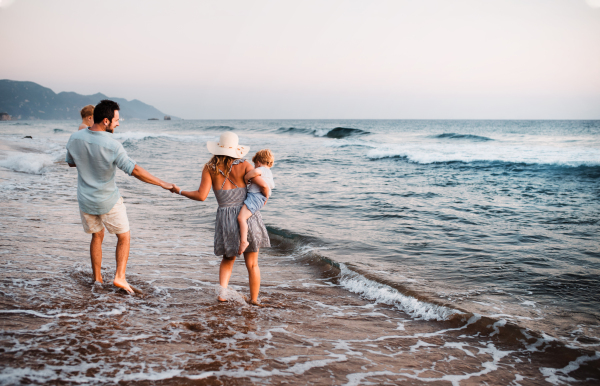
(58, 326)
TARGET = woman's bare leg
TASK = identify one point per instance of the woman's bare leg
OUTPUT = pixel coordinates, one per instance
(225, 274)
(243, 217)
(251, 259)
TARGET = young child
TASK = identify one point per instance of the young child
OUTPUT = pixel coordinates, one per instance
(259, 191)
(87, 117)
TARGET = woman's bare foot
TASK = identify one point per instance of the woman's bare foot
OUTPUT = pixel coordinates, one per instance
(221, 296)
(255, 303)
(122, 283)
(243, 246)
(136, 290)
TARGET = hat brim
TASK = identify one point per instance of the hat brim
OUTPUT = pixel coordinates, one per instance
(234, 152)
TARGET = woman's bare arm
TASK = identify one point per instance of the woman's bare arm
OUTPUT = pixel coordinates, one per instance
(203, 190)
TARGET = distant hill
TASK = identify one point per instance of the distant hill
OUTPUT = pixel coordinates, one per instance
(28, 100)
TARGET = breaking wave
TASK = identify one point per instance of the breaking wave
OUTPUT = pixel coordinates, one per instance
(385, 294)
(31, 163)
(337, 133)
(440, 153)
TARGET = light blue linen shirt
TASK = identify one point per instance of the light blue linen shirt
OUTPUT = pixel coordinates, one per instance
(97, 155)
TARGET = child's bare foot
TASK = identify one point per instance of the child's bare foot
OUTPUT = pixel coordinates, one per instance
(243, 246)
(122, 283)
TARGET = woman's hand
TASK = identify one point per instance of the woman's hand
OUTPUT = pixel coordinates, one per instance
(175, 189)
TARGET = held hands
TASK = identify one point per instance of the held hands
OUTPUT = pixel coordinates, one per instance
(175, 189)
(166, 185)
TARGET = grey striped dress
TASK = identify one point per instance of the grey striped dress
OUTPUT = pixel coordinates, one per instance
(227, 229)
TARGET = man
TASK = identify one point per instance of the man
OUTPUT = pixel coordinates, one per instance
(97, 155)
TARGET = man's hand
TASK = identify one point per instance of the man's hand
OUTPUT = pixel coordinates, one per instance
(175, 189)
(166, 185)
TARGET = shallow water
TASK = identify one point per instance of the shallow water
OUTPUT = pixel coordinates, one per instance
(413, 251)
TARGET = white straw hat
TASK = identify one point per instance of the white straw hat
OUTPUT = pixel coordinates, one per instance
(228, 145)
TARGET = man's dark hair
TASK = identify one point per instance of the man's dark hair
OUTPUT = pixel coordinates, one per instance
(105, 109)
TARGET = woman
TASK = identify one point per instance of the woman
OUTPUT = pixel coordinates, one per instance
(225, 174)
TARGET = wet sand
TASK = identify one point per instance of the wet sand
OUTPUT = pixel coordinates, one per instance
(56, 326)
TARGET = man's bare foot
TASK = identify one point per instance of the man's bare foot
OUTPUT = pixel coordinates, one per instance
(122, 283)
(221, 299)
(243, 246)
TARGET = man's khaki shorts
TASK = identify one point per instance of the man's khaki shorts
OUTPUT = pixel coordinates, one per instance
(115, 221)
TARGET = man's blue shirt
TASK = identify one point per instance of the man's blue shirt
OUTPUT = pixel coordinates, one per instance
(97, 155)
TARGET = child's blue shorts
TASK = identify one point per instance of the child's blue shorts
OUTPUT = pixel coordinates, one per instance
(254, 201)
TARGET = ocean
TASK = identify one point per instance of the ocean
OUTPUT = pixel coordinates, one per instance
(403, 252)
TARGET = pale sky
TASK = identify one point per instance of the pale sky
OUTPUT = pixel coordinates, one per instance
(398, 59)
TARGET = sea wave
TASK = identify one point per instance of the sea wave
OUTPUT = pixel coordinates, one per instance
(441, 153)
(32, 163)
(337, 133)
(381, 293)
(470, 137)
(129, 137)
(343, 132)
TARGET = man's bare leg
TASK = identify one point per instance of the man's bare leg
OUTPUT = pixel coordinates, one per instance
(251, 259)
(225, 274)
(96, 255)
(122, 257)
(243, 217)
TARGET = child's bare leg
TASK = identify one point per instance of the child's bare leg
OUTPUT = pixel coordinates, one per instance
(243, 217)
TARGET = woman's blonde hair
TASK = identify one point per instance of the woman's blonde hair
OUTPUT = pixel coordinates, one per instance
(265, 157)
(222, 162)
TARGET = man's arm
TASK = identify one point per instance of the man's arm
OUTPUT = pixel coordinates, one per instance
(143, 175)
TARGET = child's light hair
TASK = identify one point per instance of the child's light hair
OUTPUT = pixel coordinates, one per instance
(265, 157)
(87, 111)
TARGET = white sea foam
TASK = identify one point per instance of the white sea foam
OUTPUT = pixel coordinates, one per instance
(382, 293)
(560, 376)
(32, 163)
(426, 153)
(39, 314)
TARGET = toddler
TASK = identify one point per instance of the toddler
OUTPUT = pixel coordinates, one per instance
(259, 190)
(87, 117)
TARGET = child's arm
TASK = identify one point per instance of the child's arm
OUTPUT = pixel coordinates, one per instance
(264, 188)
(252, 174)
